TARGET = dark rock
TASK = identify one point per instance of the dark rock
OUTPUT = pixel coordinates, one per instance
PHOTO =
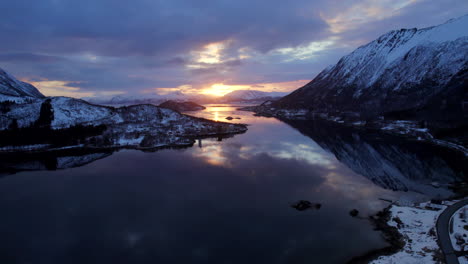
(354, 213)
(229, 118)
(302, 205)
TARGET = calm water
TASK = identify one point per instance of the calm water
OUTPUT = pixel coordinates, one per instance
(217, 202)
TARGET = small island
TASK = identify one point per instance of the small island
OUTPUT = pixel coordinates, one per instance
(182, 106)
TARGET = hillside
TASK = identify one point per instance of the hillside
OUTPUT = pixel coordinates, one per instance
(419, 74)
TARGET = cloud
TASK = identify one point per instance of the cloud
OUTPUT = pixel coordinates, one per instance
(29, 57)
(111, 45)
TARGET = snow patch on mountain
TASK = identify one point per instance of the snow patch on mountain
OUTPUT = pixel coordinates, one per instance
(241, 95)
(70, 112)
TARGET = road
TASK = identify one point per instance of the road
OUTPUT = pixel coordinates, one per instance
(443, 231)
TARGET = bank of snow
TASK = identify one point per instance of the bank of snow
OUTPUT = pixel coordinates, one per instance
(459, 236)
(417, 226)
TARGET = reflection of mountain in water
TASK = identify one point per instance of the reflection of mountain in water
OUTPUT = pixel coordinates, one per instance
(389, 162)
(16, 162)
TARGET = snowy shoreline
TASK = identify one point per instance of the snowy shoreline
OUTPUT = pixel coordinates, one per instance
(190, 141)
(411, 233)
(402, 128)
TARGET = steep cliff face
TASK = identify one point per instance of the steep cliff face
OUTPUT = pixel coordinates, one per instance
(420, 73)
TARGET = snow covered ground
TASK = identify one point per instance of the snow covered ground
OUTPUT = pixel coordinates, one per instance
(417, 225)
(459, 236)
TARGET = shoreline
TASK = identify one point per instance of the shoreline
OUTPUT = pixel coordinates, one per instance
(400, 128)
(389, 233)
(43, 148)
(412, 232)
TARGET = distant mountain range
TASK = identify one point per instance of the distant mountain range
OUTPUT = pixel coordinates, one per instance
(238, 96)
(251, 96)
(417, 74)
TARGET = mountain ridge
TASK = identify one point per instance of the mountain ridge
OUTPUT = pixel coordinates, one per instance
(419, 70)
(11, 87)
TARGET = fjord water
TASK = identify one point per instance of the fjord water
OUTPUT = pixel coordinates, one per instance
(222, 201)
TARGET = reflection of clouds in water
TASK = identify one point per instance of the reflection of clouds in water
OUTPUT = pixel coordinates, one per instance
(217, 153)
(212, 154)
(355, 188)
(308, 153)
(253, 159)
(180, 199)
(259, 162)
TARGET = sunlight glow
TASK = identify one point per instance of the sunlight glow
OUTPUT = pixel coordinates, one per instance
(220, 89)
(213, 155)
(211, 53)
(66, 88)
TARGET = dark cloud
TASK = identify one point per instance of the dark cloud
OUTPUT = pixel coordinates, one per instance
(29, 57)
(120, 28)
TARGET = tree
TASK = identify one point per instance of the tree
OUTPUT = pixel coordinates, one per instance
(46, 115)
(14, 125)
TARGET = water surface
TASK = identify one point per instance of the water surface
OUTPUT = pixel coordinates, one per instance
(222, 201)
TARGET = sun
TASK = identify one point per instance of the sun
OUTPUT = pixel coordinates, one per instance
(218, 89)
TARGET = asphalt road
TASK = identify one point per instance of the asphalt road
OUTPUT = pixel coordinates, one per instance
(443, 231)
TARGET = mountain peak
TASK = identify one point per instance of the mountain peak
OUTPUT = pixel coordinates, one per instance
(402, 70)
(10, 86)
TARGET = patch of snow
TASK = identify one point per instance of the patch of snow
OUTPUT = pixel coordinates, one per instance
(24, 147)
(418, 229)
(459, 236)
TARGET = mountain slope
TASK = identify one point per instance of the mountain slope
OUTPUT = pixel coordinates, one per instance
(421, 72)
(11, 87)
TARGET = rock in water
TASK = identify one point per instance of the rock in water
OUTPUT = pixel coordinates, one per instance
(354, 213)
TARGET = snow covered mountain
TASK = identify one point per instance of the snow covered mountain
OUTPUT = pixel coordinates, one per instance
(414, 73)
(32, 121)
(251, 95)
(178, 96)
(155, 99)
(10, 88)
(139, 126)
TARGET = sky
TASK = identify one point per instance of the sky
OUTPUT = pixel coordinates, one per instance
(104, 48)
